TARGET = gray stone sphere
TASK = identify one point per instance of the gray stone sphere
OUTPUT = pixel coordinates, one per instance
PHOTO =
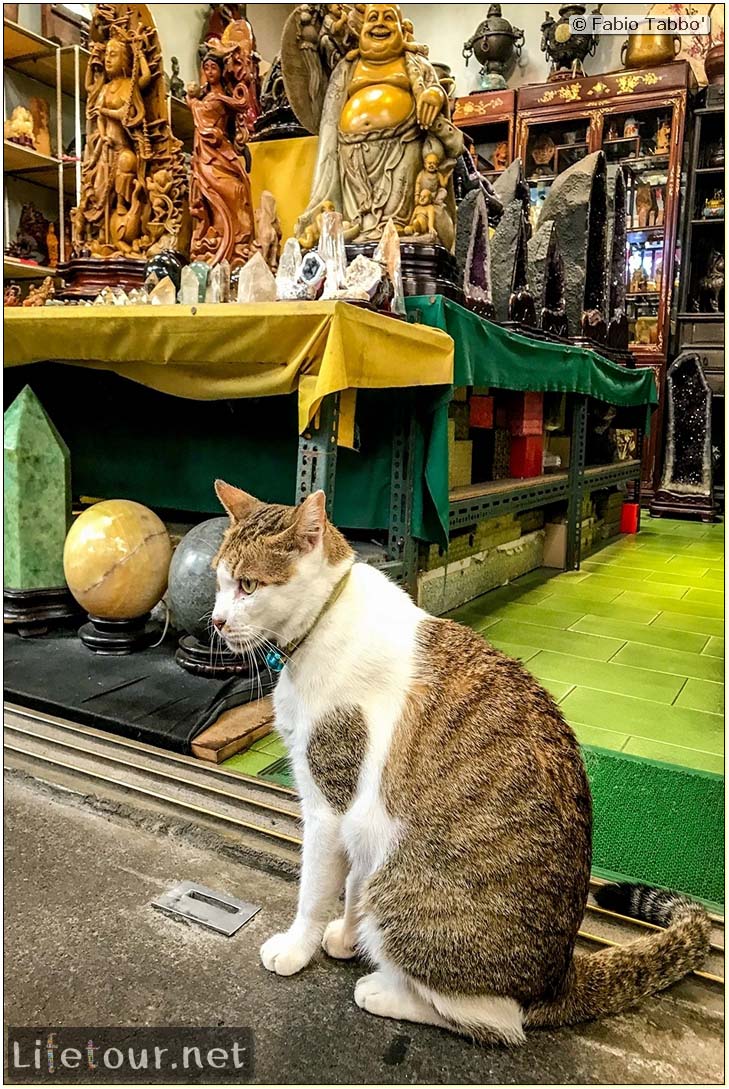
(191, 586)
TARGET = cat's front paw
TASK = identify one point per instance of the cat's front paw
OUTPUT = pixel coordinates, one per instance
(285, 954)
(338, 942)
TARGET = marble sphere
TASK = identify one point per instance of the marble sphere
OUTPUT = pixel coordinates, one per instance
(116, 559)
(191, 591)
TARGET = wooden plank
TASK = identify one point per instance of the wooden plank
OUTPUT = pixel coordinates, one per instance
(235, 730)
(498, 487)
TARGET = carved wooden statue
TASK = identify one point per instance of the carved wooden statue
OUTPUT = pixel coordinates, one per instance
(130, 150)
(220, 190)
(385, 114)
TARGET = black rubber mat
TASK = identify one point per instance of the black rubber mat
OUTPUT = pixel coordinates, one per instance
(144, 696)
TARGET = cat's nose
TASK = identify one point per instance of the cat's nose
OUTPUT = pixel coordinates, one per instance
(218, 622)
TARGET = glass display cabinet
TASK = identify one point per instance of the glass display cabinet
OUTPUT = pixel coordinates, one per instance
(638, 120)
(487, 119)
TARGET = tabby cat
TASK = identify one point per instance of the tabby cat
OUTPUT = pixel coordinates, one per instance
(440, 787)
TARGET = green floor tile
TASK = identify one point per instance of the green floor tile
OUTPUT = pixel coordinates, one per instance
(714, 647)
(641, 633)
(604, 580)
(593, 735)
(274, 747)
(657, 580)
(620, 568)
(648, 587)
(678, 662)
(550, 618)
(646, 719)
(248, 762)
(611, 610)
(515, 650)
(714, 574)
(704, 593)
(684, 565)
(557, 689)
(702, 696)
(541, 637)
(613, 676)
(705, 625)
(675, 754)
(674, 605)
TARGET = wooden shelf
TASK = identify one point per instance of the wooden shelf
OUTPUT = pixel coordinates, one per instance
(29, 53)
(20, 270)
(68, 64)
(473, 502)
(709, 170)
(707, 219)
(24, 162)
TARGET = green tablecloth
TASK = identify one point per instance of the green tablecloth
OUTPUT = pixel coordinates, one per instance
(488, 355)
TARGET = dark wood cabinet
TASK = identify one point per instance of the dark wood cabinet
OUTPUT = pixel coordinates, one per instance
(488, 119)
(638, 120)
(699, 327)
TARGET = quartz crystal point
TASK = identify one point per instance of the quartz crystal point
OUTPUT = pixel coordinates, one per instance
(164, 293)
(256, 282)
(331, 250)
(388, 254)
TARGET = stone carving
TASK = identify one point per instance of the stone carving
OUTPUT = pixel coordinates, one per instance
(384, 112)
(11, 294)
(39, 296)
(268, 230)
(176, 83)
(618, 333)
(220, 190)
(130, 150)
(687, 484)
(315, 38)
(546, 279)
(577, 203)
(30, 237)
(19, 128)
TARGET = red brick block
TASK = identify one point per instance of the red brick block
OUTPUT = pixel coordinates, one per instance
(527, 452)
(482, 412)
(630, 518)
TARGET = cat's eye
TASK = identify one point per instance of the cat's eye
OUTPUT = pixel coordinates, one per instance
(247, 586)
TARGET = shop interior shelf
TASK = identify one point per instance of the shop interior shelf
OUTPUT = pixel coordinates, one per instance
(710, 170)
(707, 219)
(68, 69)
(29, 53)
(473, 502)
(20, 270)
(603, 476)
(36, 168)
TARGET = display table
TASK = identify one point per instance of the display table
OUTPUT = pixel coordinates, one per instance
(211, 352)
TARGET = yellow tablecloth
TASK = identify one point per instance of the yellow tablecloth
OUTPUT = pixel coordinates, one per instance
(214, 352)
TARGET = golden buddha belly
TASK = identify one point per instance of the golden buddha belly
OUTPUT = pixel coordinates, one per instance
(379, 106)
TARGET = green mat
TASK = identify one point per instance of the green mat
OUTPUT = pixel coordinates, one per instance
(657, 823)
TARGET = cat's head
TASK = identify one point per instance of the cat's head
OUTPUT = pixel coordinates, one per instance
(275, 568)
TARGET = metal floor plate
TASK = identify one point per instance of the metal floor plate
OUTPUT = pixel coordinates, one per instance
(214, 910)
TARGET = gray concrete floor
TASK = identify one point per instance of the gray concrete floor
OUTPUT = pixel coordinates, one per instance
(83, 947)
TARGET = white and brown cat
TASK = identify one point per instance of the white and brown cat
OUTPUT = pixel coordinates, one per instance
(440, 787)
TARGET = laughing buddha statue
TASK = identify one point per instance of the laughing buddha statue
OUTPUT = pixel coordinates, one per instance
(385, 122)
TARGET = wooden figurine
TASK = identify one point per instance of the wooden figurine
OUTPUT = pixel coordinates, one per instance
(220, 190)
(18, 129)
(384, 111)
(644, 204)
(41, 114)
(662, 137)
(11, 295)
(128, 142)
(500, 156)
(38, 296)
(52, 245)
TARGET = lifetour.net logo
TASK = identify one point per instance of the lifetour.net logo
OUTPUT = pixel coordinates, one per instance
(128, 1056)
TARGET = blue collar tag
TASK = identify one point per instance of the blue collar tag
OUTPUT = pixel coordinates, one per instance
(275, 661)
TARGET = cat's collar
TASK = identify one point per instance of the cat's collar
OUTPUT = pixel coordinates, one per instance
(277, 659)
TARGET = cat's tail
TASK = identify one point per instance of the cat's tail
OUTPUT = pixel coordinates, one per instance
(608, 982)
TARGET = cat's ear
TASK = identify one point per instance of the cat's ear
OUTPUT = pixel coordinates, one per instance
(311, 518)
(238, 504)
